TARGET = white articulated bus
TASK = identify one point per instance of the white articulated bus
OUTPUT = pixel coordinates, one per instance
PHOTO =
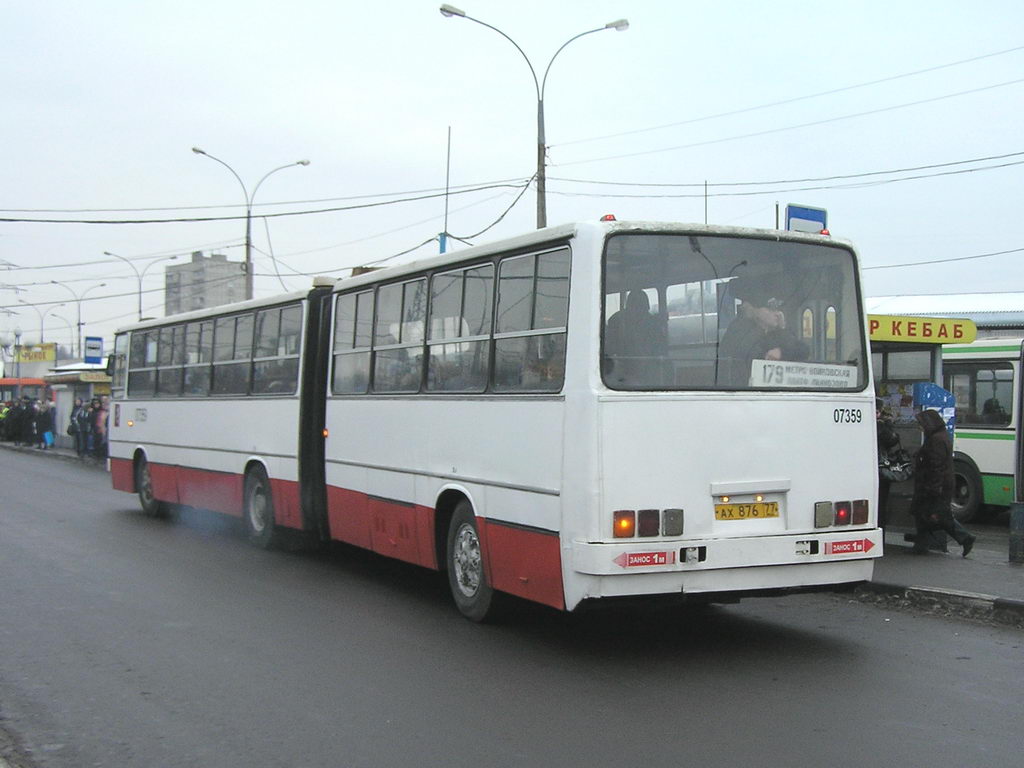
(985, 378)
(588, 411)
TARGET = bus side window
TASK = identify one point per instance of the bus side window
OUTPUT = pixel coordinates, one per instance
(353, 331)
(398, 339)
(983, 391)
(142, 364)
(460, 322)
(232, 353)
(532, 313)
(198, 355)
(275, 369)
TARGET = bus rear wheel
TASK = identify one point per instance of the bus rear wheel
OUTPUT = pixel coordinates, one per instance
(967, 492)
(467, 578)
(258, 509)
(144, 487)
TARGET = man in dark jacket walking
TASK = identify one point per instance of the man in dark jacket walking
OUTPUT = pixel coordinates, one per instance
(933, 486)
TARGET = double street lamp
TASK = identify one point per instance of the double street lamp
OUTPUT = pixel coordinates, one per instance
(248, 211)
(139, 274)
(78, 301)
(42, 315)
(539, 85)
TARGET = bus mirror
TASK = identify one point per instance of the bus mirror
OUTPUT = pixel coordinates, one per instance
(110, 365)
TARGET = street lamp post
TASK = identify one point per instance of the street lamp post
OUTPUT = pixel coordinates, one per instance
(621, 26)
(42, 315)
(248, 210)
(71, 334)
(78, 301)
(17, 359)
(139, 275)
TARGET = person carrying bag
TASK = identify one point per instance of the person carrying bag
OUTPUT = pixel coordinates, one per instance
(894, 464)
(933, 486)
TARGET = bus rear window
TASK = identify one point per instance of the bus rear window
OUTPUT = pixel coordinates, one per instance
(719, 312)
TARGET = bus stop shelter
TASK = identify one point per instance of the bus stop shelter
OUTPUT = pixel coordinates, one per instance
(84, 380)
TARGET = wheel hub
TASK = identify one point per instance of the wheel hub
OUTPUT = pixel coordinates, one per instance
(466, 561)
(258, 510)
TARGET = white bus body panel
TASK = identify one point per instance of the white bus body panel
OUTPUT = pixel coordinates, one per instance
(507, 451)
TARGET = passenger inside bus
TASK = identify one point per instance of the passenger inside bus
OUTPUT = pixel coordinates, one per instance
(635, 342)
(992, 412)
(757, 333)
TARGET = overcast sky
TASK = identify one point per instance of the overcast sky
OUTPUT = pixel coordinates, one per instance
(917, 105)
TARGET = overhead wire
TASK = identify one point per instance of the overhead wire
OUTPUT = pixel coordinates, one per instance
(788, 181)
(792, 100)
(782, 129)
(364, 196)
(944, 261)
(411, 225)
(857, 185)
(277, 214)
(497, 221)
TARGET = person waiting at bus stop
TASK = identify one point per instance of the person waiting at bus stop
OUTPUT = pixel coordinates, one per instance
(757, 333)
(888, 440)
(931, 505)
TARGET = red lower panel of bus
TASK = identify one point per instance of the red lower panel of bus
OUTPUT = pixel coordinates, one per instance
(121, 475)
(523, 562)
(218, 491)
(402, 531)
(520, 561)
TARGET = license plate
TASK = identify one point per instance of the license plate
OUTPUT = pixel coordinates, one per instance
(755, 511)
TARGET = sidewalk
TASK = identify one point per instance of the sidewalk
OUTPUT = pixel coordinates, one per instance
(57, 453)
(984, 585)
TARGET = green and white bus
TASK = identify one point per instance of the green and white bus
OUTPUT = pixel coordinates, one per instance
(985, 377)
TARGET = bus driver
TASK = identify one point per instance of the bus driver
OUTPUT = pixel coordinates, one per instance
(757, 333)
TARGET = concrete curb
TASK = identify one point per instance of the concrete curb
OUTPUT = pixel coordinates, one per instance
(56, 453)
(971, 605)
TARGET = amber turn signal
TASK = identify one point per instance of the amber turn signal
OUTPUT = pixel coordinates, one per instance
(625, 523)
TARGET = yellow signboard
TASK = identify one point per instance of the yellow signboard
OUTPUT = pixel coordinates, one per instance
(922, 330)
(36, 353)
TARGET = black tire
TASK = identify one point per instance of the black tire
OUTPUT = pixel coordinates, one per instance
(258, 509)
(467, 576)
(144, 487)
(967, 492)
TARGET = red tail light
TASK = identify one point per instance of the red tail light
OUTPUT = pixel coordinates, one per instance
(842, 513)
(649, 523)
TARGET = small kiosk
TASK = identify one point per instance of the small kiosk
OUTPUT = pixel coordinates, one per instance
(906, 355)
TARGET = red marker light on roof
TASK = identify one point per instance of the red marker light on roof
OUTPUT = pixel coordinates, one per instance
(608, 217)
(825, 232)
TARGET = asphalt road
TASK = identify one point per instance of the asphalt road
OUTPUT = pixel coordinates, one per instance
(127, 641)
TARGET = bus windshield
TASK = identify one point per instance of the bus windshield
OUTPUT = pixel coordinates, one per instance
(685, 312)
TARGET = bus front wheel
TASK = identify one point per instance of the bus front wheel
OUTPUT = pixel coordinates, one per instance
(967, 492)
(258, 509)
(467, 578)
(144, 487)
